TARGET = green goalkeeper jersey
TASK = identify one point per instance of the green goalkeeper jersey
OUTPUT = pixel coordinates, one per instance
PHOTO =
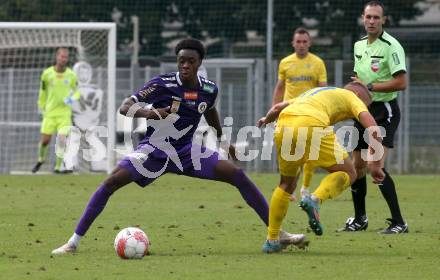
(378, 62)
(55, 88)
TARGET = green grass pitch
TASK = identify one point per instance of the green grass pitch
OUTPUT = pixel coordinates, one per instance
(204, 230)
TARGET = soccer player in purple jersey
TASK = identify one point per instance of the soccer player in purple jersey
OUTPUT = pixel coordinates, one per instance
(178, 101)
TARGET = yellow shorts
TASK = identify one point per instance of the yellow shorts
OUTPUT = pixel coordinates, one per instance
(303, 139)
(59, 125)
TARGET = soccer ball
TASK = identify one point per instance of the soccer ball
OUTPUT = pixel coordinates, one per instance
(131, 243)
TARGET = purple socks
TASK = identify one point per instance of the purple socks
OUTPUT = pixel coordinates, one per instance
(96, 203)
(252, 195)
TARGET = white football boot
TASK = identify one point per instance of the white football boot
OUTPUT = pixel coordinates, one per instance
(298, 240)
(65, 249)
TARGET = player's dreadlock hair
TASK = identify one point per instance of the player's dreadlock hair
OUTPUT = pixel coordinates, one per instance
(191, 44)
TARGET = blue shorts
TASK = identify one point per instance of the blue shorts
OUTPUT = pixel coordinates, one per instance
(147, 163)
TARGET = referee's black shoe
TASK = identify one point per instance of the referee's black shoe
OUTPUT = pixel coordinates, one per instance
(353, 224)
(395, 228)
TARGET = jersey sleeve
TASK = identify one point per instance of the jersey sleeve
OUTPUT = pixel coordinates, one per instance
(396, 58)
(281, 71)
(42, 96)
(322, 74)
(149, 93)
(215, 98)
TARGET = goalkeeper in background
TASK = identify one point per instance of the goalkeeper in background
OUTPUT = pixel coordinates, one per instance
(58, 90)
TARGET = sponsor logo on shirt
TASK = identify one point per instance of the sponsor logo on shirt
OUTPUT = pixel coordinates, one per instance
(145, 92)
(375, 65)
(190, 103)
(208, 88)
(191, 95)
(170, 85)
(300, 79)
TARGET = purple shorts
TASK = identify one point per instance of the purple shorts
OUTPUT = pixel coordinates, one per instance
(147, 163)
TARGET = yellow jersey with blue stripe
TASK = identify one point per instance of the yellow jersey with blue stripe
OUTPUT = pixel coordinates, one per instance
(329, 105)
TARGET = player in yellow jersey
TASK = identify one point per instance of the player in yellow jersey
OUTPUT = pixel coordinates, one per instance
(58, 90)
(304, 134)
(298, 73)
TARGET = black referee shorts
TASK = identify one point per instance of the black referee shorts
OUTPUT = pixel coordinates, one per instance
(387, 115)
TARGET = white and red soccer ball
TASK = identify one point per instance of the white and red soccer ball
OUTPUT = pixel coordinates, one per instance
(131, 243)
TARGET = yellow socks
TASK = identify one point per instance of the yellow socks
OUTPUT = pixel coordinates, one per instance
(60, 147)
(58, 163)
(42, 152)
(277, 211)
(332, 185)
(308, 171)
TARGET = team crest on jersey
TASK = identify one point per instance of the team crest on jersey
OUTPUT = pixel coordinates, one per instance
(202, 107)
(66, 82)
(375, 65)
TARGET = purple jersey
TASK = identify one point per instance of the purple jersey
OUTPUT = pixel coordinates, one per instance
(189, 104)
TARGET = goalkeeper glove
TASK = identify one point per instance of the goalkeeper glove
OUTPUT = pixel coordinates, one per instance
(68, 101)
(40, 114)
